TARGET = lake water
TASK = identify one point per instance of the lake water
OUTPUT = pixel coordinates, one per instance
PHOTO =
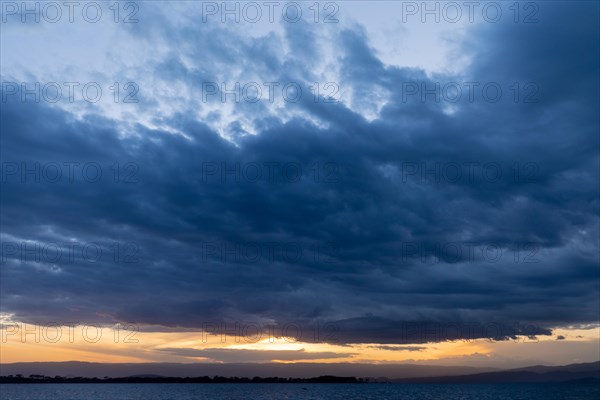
(161, 391)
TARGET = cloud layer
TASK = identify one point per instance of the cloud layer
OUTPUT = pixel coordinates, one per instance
(386, 217)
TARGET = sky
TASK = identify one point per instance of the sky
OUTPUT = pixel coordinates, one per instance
(335, 182)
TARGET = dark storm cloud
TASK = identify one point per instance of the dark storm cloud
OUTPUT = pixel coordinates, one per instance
(399, 348)
(345, 237)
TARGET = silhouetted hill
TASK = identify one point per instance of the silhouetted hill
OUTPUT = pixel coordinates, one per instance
(589, 372)
(248, 370)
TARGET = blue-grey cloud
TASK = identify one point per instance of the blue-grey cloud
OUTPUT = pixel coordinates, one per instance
(347, 226)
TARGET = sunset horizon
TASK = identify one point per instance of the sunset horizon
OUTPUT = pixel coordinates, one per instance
(404, 190)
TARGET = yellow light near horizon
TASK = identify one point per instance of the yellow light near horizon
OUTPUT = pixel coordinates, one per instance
(109, 345)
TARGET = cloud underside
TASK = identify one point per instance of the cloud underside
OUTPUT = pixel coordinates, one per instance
(360, 253)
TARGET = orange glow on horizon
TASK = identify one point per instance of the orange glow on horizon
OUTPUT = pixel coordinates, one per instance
(108, 345)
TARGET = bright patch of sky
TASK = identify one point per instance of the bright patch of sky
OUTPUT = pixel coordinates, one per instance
(111, 56)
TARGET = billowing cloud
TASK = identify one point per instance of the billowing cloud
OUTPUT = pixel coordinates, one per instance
(418, 221)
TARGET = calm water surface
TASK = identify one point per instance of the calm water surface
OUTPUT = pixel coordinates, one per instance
(296, 391)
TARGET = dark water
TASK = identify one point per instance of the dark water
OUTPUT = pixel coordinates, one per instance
(296, 391)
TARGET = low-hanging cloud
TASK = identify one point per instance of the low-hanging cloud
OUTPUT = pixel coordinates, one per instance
(417, 226)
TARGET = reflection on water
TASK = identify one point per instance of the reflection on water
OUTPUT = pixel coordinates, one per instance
(297, 391)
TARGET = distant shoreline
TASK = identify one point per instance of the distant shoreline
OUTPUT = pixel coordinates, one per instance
(202, 379)
(257, 380)
(583, 373)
